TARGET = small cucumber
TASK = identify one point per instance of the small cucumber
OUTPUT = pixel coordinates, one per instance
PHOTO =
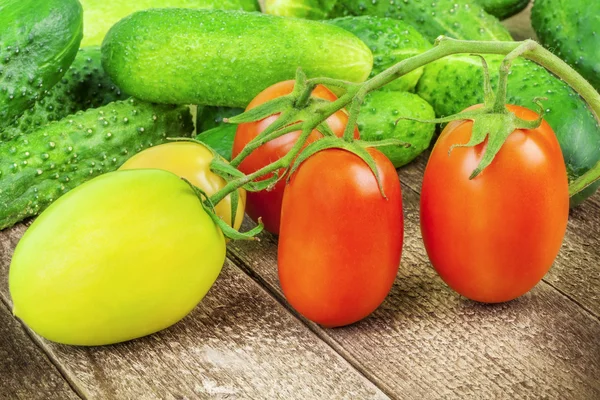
(85, 85)
(390, 41)
(454, 83)
(570, 30)
(309, 9)
(100, 15)
(460, 19)
(38, 42)
(377, 121)
(224, 58)
(503, 9)
(43, 165)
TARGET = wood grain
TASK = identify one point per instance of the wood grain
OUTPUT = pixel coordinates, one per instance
(25, 371)
(426, 341)
(238, 343)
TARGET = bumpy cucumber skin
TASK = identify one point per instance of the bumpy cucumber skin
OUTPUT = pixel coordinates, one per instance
(377, 121)
(459, 19)
(38, 42)
(224, 58)
(454, 83)
(503, 9)
(309, 9)
(390, 41)
(85, 85)
(38, 168)
(571, 30)
(100, 15)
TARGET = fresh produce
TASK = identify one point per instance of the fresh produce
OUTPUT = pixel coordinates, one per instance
(85, 85)
(493, 237)
(38, 42)
(454, 83)
(309, 9)
(267, 204)
(377, 121)
(224, 58)
(40, 167)
(121, 256)
(570, 30)
(503, 9)
(390, 41)
(220, 139)
(210, 117)
(191, 161)
(459, 19)
(340, 241)
(100, 15)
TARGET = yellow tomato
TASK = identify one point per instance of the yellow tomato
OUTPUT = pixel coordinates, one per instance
(191, 161)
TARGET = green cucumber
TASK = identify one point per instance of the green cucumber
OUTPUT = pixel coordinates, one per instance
(85, 85)
(460, 19)
(571, 30)
(309, 9)
(220, 139)
(100, 15)
(390, 41)
(224, 58)
(38, 168)
(38, 42)
(377, 121)
(503, 9)
(454, 83)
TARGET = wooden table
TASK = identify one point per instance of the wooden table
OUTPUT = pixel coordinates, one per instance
(425, 341)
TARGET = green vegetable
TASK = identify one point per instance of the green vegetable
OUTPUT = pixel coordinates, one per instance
(459, 19)
(211, 117)
(377, 121)
(503, 9)
(390, 41)
(100, 15)
(455, 82)
(309, 9)
(38, 42)
(571, 30)
(122, 256)
(224, 58)
(85, 85)
(220, 139)
(39, 167)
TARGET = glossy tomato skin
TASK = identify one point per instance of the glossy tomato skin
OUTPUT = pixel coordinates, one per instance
(267, 204)
(340, 241)
(493, 238)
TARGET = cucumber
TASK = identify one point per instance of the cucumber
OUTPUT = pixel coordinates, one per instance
(503, 9)
(40, 167)
(454, 83)
(460, 19)
(211, 117)
(100, 15)
(309, 9)
(224, 58)
(220, 139)
(390, 41)
(38, 42)
(377, 121)
(85, 85)
(570, 30)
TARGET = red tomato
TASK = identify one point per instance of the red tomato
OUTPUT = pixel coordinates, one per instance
(340, 241)
(494, 237)
(267, 204)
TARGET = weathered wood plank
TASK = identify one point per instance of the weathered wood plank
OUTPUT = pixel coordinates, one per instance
(576, 271)
(238, 343)
(426, 341)
(25, 371)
